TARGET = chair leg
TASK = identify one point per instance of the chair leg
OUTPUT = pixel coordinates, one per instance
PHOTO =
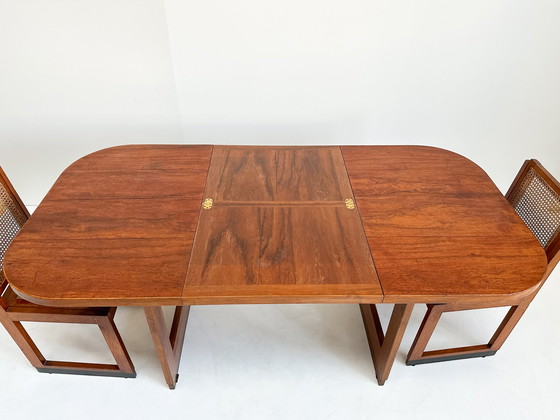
(418, 355)
(508, 324)
(429, 323)
(23, 340)
(123, 368)
(116, 345)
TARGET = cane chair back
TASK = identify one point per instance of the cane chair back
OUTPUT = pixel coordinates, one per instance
(13, 215)
(535, 196)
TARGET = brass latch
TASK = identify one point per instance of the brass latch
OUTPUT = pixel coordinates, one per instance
(207, 204)
(349, 204)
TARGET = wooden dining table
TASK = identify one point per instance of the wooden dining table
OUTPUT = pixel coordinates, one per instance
(182, 225)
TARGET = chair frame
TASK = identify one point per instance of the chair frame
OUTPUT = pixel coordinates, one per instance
(14, 310)
(418, 355)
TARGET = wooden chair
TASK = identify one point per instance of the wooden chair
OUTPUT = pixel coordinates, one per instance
(535, 196)
(14, 310)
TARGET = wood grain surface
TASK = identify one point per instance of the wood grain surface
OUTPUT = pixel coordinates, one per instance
(277, 174)
(119, 225)
(438, 228)
(126, 226)
(116, 228)
(279, 219)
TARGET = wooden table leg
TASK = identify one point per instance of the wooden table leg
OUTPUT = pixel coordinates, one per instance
(168, 346)
(384, 347)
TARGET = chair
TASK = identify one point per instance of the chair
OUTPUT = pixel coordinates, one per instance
(14, 310)
(535, 196)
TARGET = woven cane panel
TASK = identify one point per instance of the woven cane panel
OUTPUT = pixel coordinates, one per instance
(539, 207)
(11, 221)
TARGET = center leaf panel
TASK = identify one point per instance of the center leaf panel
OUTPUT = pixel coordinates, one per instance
(279, 223)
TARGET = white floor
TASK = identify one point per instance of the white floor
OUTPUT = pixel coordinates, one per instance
(294, 362)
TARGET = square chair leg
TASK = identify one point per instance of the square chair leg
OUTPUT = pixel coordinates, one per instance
(102, 317)
(417, 354)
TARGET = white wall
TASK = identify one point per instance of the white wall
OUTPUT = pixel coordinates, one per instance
(77, 76)
(477, 77)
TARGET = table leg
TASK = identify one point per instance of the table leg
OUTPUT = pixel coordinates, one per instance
(168, 346)
(384, 347)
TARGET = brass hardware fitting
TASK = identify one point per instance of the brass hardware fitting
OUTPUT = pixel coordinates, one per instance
(207, 204)
(349, 204)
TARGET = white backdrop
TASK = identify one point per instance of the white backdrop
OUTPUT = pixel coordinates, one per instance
(477, 77)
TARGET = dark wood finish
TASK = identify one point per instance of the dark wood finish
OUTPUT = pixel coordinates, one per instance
(168, 345)
(14, 310)
(438, 228)
(384, 346)
(260, 248)
(277, 174)
(116, 227)
(417, 353)
(420, 252)
(279, 231)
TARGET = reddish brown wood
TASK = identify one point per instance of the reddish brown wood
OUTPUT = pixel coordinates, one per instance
(257, 248)
(168, 345)
(429, 323)
(23, 340)
(12, 313)
(518, 307)
(277, 174)
(116, 228)
(13, 310)
(418, 355)
(11, 317)
(508, 324)
(289, 237)
(384, 346)
(438, 228)
(278, 232)
(115, 342)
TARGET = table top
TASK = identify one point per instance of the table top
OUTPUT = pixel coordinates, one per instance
(182, 224)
